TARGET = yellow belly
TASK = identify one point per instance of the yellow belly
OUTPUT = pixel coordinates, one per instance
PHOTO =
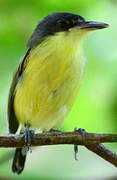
(47, 89)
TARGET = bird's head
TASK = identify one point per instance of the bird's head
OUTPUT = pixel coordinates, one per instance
(62, 24)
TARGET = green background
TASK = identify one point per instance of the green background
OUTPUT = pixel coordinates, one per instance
(96, 105)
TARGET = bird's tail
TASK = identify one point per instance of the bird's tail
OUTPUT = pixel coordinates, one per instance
(19, 160)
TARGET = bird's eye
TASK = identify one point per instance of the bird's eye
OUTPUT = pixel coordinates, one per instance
(61, 21)
(74, 22)
(77, 21)
(80, 21)
(65, 23)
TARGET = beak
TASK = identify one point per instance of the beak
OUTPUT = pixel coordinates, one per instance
(91, 25)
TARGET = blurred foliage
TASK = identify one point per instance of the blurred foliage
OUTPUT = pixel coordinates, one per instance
(96, 106)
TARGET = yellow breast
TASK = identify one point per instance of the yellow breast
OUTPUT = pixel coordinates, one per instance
(49, 84)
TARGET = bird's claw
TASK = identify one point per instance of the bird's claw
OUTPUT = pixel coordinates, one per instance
(81, 131)
(28, 136)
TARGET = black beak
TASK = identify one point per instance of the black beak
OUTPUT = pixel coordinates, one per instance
(91, 25)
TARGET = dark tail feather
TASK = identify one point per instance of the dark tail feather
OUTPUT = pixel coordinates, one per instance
(19, 160)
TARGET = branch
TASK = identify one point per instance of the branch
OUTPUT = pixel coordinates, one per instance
(89, 140)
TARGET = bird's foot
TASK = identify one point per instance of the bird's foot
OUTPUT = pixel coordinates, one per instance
(81, 131)
(28, 136)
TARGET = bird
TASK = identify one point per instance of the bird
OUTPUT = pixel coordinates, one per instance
(47, 80)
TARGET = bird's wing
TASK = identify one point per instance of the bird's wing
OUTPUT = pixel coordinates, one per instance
(12, 120)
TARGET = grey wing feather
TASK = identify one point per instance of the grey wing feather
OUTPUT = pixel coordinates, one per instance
(12, 120)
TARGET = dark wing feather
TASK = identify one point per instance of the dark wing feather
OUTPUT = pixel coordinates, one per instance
(12, 120)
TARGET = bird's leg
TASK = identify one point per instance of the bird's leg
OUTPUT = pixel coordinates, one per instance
(81, 131)
(28, 135)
